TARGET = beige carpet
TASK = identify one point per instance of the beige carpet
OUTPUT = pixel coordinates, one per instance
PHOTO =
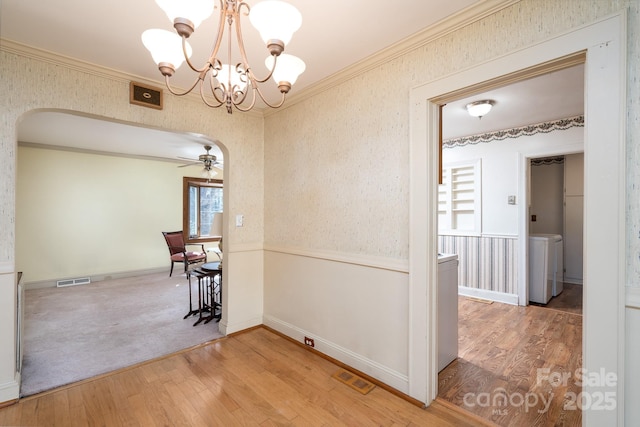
(82, 331)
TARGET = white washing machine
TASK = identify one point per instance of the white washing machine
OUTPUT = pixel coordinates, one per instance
(546, 269)
(447, 309)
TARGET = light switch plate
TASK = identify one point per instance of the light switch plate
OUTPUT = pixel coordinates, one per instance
(239, 220)
(511, 200)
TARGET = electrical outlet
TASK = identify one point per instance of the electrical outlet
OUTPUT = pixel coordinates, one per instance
(308, 341)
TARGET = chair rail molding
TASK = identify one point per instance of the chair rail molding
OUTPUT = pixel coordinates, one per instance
(392, 264)
(7, 267)
(632, 299)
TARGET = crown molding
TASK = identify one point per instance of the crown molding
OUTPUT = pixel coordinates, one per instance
(96, 152)
(53, 58)
(456, 21)
(79, 65)
(451, 24)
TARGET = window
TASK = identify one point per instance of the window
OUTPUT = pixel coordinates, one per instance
(459, 199)
(201, 199)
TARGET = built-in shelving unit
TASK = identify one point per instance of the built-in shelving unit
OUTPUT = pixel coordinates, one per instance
(459, 199)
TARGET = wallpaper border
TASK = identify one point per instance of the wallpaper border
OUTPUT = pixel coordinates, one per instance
(544, 127)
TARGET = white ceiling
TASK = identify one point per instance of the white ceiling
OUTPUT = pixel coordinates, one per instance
(552, 96)
(105, 136)
(108, 34)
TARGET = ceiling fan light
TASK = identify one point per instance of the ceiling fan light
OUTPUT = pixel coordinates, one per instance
(275, 20)
(165, 46)
(195, 11)
(208, 173)
(480, 108)
(288, 68)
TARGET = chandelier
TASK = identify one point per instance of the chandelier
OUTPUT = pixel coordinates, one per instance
(234, 86)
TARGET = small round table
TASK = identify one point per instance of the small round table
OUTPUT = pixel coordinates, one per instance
(211, 266)
(209, 292)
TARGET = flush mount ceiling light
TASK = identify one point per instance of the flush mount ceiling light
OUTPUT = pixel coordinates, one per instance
(480, 108)
(235, 86)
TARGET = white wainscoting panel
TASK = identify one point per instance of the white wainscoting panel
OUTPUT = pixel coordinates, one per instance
(355, 313)
(242, 288)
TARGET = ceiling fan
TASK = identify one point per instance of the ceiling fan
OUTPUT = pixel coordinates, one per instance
(208, 160)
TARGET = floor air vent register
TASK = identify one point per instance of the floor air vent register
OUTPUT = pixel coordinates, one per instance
(73, 282)
(354, 381)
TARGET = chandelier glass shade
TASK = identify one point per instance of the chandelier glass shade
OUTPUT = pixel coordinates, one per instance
(193, 10)
(221, 83)
(166, 46)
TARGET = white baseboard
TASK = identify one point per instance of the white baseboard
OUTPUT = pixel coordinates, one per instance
(100, 277)
(227, 328)
(395, 379)
(10, 391)
(488, 295)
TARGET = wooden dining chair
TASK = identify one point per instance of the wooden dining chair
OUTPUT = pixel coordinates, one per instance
(179, 253)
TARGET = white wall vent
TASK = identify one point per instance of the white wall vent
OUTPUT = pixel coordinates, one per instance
(73, 282)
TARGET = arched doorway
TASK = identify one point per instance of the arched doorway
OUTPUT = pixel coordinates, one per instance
(93, 195)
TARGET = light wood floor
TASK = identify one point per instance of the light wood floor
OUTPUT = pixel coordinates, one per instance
(255, 378)
(502, 349)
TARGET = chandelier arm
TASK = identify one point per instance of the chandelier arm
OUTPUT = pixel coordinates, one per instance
(275, 61)
(244, 95)
(188, 61)
(278, 105)
(234, 17)
(243, 53)
(213, 92)
(231, 95)
(204, 99)
(173, 91)
(249, 107)
(216, 46)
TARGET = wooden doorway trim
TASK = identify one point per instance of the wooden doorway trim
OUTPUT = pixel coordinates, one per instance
(604, 43)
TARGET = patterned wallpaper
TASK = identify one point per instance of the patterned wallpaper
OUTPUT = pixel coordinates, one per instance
(336, 164)
(29, 84)
(633, 144)
(342, 151)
